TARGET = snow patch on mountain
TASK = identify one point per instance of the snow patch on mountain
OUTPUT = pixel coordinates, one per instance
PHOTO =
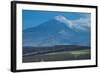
(62, 32)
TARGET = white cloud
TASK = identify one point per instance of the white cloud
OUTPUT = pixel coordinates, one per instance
(83, 23)
(64, 20)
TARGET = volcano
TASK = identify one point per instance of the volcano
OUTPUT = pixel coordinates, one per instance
(57, 31)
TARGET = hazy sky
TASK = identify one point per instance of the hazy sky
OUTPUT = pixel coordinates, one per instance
(32, 18)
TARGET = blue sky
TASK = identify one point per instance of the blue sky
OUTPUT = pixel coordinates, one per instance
(32, 18)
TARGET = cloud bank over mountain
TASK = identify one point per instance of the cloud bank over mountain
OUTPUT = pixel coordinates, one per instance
(83, 23)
